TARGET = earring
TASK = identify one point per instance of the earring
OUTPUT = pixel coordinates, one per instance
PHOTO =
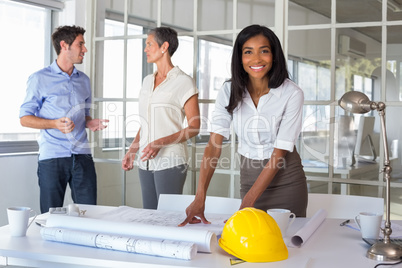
(163, 51)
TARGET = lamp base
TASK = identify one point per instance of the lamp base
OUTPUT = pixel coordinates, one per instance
(382, 251)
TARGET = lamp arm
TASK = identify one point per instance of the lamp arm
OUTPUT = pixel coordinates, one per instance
(384, 137)
(387, 176)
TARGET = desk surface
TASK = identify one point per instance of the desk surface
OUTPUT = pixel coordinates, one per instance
(330, 246)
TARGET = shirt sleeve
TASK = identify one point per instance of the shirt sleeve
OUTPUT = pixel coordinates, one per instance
(33, 101)
(221, 118)
(291, 123)
(189, 89)
(88, 101)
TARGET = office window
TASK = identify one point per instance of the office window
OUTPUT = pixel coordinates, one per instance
(26, 48)
(363, 84)
(326, 58)
(214, 61)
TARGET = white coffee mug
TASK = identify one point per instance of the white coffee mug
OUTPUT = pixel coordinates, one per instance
(283, 217)
(18, 220)
(369, 224)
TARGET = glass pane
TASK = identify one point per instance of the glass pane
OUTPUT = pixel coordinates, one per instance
(178, 14)
(358, 10)
(107, 142)
(215, 15)
(139, 12)
(32, 23)
(396, 203)
(135, 61)
(255, 12)
(366, 190)
(302, 12)
(213, 68)
(358, 60)
(183, 57)
(109, 69)
(318, 187)
(311, 65)
(338, 188)
(144, 13)
(110, 10)
(132, 122)
(206, 110)
(394, 9)
(219, 186)
(314, 139)
(394, 137)
(344, 140)
(393, 73)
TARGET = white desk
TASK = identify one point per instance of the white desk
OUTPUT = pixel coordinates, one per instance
(330, 246)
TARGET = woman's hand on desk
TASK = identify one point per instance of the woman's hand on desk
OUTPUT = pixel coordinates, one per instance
(195, 213)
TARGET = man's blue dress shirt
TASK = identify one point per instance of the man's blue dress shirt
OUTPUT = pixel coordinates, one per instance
(52, 94)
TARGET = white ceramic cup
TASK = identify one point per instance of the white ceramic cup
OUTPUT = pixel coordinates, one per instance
(369, 224)
(18, 220)
(283, 217)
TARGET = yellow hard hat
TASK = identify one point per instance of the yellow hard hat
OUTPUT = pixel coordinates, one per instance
(253, 236)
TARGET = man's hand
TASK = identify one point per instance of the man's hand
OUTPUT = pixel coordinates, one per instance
(97, 124)
(65, 125)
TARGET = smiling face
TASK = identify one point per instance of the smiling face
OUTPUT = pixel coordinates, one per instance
(257, 57)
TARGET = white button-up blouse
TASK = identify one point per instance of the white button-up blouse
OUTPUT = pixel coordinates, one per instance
(162, 113)
(275, 123)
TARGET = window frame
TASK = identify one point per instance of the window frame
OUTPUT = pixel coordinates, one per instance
(8, 143)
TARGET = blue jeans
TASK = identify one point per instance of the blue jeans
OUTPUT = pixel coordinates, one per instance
(54, 174)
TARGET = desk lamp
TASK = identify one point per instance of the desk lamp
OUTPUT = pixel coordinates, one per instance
(359, 103)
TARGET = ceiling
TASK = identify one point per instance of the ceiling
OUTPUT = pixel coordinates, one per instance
(361, 11)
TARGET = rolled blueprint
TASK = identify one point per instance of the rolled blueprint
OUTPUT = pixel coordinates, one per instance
(206, 241)
(308, 229)
(162, 248)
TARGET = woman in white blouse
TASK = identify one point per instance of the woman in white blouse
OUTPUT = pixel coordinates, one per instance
(265, 107)
(166, 98)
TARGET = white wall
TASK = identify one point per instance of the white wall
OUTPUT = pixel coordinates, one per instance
(19, 184)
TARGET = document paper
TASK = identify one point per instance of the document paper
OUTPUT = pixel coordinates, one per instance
(163, 248)
(308, 229)
(205, 240)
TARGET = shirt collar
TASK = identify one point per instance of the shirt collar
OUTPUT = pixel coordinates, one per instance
(56, 69)
(172, 73)
(277, 91)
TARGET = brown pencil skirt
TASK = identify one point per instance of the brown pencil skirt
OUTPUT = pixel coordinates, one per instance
(287, 190)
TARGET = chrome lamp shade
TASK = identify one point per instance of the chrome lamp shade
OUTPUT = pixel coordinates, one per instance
(357, 102)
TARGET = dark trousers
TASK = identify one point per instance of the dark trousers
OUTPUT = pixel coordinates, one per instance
(54, 174)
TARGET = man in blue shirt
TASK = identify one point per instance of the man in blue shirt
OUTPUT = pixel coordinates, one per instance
(57, 102)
